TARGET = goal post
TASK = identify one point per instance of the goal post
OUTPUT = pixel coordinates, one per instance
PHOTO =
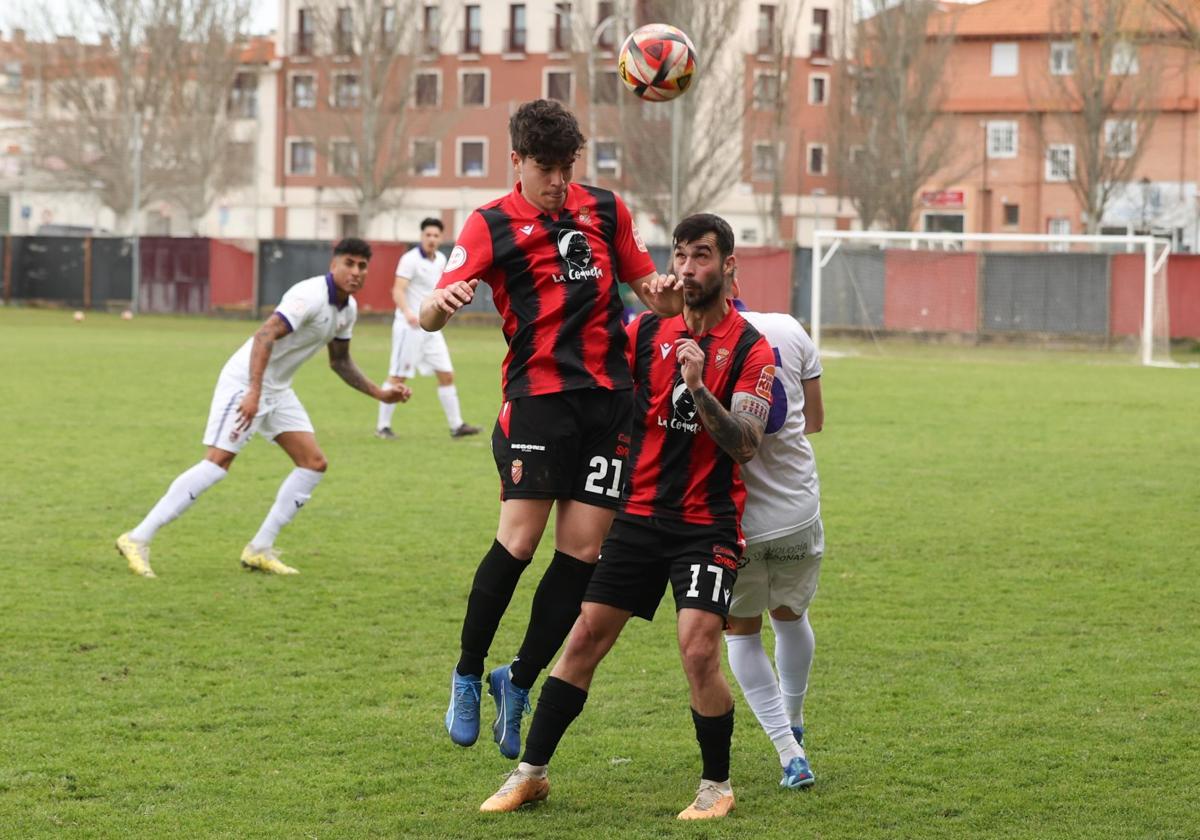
(1043, 290)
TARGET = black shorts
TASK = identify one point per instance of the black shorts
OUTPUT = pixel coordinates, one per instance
(641, 554)
(571, 445)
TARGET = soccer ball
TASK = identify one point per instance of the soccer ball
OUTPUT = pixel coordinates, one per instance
(657, 62)
(78, 317)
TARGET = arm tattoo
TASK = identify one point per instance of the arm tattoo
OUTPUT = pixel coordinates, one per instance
(343, 366)
(738, 433)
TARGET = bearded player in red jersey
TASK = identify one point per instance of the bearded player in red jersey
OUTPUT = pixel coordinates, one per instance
(553, 252)
(702, 394)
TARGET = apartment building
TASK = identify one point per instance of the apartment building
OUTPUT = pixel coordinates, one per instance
(1018, 131)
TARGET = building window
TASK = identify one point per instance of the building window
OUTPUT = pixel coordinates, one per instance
(766, 91)
(1120, 138)
(1059, 226)
(427, 89)
(606, 158)
(560, 35)
(1001, 139)
(243, 96)
(473, 87)
(306, 23)
(343, 32)
(765, 36)
(1124, 59)
(387, 33)
(818, 37)
(558, 85)
(431, 29)
(816, 158)
(1012, 215)
(606, 39)
(606, 86)
(302, 157)
(12, 76)
(347, 225)
(749, 236)
(763, 165)
(304, 91)
(515, 40)
(344, 158)
(1062, 58)
(1060, 162)
(425, 158)
(818, 88)
(1004, 59)
(473, 32)
(472, 158)
(346, 91)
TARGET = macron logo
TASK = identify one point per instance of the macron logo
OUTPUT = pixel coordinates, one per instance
(665, 347)
(528, 229)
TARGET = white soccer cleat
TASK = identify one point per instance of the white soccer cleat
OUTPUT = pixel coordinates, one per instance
(136, 554)
(265, 560)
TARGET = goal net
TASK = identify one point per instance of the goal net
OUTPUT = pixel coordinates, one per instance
(870, 288)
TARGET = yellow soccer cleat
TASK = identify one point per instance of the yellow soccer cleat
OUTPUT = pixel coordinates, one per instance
(137, 554)
(265, 560)
(519, 789)
(711, 802)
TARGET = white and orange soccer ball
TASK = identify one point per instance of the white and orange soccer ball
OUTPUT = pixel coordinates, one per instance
(657, 62)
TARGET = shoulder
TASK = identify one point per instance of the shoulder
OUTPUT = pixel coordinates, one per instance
(311, 288)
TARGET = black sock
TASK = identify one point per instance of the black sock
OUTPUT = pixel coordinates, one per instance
(558, 705)
(555, 608)
(714, 734)
(495, 581)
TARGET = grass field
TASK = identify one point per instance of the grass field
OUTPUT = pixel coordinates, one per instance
(1008, 627)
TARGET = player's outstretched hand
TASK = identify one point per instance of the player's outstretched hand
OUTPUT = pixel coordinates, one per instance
(664, 294)
(394, 393)
(691, 362)
(455, 296)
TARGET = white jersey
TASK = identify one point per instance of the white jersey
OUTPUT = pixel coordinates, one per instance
(423, 275)
(310, 309)
(782, 490)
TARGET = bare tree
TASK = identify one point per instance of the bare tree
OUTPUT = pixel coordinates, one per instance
(890, 134)
(1184, 17)
(1106, 102)
(378, 45)
(710, 147)
(779, 47)
(101, 101)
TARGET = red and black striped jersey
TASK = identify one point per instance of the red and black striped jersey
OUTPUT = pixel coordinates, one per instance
(554, 282)
(676, 470)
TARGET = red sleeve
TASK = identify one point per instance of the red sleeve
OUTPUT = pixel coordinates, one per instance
(472, 254)
(758, 371)
(632, 260)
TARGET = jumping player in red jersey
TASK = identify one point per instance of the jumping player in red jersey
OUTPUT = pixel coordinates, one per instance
(702, 393)
(553, 253)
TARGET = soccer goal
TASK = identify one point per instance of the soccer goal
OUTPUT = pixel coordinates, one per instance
(872, 287)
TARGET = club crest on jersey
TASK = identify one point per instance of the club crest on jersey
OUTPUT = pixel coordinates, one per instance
(683, 416)
(584, 218)
(665, 349)
(722, 357)
(517, 470)
(457, 257)
(576, 252)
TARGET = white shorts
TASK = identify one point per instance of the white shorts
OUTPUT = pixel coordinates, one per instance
(416, 351)
(277, 413)
(779, 573)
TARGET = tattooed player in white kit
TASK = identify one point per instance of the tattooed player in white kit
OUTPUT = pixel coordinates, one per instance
(254, 394)
(784, 545)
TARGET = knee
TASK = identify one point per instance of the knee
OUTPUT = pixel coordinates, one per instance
(520, 546)
(586, 643)
(700, 656)
(316, 463)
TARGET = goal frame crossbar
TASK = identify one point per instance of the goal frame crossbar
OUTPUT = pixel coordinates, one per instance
(1150, 246)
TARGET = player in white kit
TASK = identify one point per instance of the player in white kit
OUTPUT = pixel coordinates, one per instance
(254, 394)
(784, 546)
(414, 350)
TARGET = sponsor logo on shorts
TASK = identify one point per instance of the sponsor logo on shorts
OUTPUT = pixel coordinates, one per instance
(725, 556)
(528, 447)
(517, 470)
(457, 257)
(765, 380)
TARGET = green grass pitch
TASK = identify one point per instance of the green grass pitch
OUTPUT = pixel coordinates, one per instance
(1008, 627)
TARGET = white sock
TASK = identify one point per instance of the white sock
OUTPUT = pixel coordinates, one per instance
(537, 771)
(448, 397)
(752, 669)
(179, 497)
(386, 410)
(296, 489)
(725, 787)
(794, 645)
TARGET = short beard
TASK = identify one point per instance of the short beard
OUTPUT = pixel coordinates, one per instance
(704, 298)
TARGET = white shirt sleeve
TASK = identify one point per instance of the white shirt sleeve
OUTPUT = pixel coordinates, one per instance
(810, 367)
(299, 304)
(406, 268)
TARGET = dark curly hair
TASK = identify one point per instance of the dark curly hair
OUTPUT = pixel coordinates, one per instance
(353, 246)
(698, 224)
(546, 131)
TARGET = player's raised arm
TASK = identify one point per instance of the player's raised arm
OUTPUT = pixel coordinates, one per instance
(444, 302)
(344, 366)
(662, 294)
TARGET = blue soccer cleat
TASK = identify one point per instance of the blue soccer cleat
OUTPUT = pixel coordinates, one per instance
(511, 705)
(462, 718)
(797, 774)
